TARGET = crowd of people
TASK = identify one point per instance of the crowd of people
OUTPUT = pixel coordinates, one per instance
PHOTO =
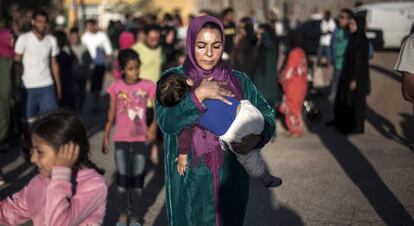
(213, 106)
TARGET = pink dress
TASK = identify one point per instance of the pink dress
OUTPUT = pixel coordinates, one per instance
(131, 109)
(54, 202)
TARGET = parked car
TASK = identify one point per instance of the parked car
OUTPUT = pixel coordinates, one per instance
(387, 23)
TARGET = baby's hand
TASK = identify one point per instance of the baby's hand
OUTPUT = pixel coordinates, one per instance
(68, 155)
(182, 164)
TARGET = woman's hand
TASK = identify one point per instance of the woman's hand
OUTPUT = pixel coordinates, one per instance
(68, 155)
(210, 89)
(247, 144)
(182, 164)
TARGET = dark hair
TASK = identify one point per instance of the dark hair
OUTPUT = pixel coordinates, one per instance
(361, 25)
(294, 39)
(74, 30)
(249, 28)
(91, 21)
(167, 17)
(61, 127)
(211, 25)
(151, 17)
(61, 38)
(348, 12)
(40, 12)
(226, 11)
(126, 55)
(151, 27)
(171, 89)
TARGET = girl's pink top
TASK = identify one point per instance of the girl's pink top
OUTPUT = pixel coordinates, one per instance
(5, 50)
(54, 202)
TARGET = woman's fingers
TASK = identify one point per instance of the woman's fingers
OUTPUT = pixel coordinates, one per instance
(76, 153)
(225, 92)
(224, 100)
(68, 154)
(71, 150)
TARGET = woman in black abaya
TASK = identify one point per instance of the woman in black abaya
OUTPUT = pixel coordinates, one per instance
(354, 84)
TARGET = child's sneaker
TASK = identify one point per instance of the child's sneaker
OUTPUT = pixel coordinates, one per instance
(270, 181)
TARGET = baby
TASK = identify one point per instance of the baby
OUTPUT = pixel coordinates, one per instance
(228, 122)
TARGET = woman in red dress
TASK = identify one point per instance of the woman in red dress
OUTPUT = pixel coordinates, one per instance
(293, 79)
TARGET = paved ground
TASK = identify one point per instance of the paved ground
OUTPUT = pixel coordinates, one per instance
(329, 179)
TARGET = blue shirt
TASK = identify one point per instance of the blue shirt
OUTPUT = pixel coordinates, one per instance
(219, 116)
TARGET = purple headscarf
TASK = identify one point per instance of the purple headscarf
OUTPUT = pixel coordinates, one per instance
(204, 144)
(221, 71)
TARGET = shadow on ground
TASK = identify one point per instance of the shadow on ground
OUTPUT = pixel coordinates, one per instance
(358, 168)
(150, 193)
(261, 211)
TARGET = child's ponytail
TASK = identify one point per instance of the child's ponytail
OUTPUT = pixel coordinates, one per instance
(92, 165)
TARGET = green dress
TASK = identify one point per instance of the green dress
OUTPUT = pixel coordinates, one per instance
(190, 198)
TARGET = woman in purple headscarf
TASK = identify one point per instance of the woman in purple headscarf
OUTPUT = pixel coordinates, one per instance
(215, 189)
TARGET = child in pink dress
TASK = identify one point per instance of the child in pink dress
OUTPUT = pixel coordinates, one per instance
(69, 189)
(128, 108)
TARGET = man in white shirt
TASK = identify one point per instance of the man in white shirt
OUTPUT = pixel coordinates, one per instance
(327, 27)
(35, 49)
(405, 65)
(99, 48)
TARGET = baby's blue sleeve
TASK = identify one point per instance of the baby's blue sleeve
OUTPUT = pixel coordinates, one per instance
(219, 116)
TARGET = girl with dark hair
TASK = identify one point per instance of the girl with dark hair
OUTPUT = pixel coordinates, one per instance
(293, 79)
(354, 82)
(69, 189)
(128, 101)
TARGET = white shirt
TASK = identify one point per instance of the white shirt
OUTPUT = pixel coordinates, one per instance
(405, 61)
(36, 59)
(279, 28)
(93, 41)
(327, 26)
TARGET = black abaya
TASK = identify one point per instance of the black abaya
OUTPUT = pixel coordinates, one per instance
(350, 105)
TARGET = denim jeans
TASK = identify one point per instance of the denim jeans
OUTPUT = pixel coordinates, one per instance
(39, 101)
(130, 160)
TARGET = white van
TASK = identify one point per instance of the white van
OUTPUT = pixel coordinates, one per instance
(388, 23)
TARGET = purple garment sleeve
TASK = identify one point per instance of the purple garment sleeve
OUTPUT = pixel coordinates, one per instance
(184, 140)
(197, 103)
